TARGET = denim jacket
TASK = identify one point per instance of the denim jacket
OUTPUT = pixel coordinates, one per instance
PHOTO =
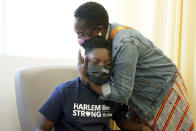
(142, 76)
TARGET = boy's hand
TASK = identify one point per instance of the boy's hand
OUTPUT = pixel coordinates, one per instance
(146, 128)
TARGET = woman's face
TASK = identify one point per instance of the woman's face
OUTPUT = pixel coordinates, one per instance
(100, 56)
(83, 30)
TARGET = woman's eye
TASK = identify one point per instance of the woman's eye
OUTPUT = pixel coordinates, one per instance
(80, 34)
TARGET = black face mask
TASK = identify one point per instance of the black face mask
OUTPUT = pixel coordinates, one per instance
(98, 74)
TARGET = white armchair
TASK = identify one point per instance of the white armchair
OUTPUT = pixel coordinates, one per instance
(33, 86)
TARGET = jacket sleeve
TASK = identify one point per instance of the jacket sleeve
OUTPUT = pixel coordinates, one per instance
(125, 62)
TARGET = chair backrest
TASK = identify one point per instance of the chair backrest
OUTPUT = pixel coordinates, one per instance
(33, 86)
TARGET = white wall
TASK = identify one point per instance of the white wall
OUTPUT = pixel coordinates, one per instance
(9, 120)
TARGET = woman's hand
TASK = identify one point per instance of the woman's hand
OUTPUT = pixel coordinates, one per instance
(83, 67)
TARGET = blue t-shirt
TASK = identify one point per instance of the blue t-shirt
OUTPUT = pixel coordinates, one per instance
(74, 107)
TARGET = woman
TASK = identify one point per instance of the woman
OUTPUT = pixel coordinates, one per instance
(143, 77)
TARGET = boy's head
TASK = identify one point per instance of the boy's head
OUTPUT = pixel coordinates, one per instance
(99, 59)
(99, 51)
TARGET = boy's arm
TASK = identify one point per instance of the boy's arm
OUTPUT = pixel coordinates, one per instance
(50, 111)
(44, 125)
(126, 124)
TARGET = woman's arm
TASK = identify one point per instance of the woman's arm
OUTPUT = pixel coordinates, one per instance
(124, 68)
(44, 125)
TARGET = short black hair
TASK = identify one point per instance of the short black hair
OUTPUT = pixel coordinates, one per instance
(97, 42)
(93, 13)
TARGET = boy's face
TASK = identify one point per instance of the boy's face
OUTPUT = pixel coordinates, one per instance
(99, 66)
(100, 56)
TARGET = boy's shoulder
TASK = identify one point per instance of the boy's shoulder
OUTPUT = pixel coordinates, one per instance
(69, 85)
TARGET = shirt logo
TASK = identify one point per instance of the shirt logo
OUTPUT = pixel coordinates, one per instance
(87, 110)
